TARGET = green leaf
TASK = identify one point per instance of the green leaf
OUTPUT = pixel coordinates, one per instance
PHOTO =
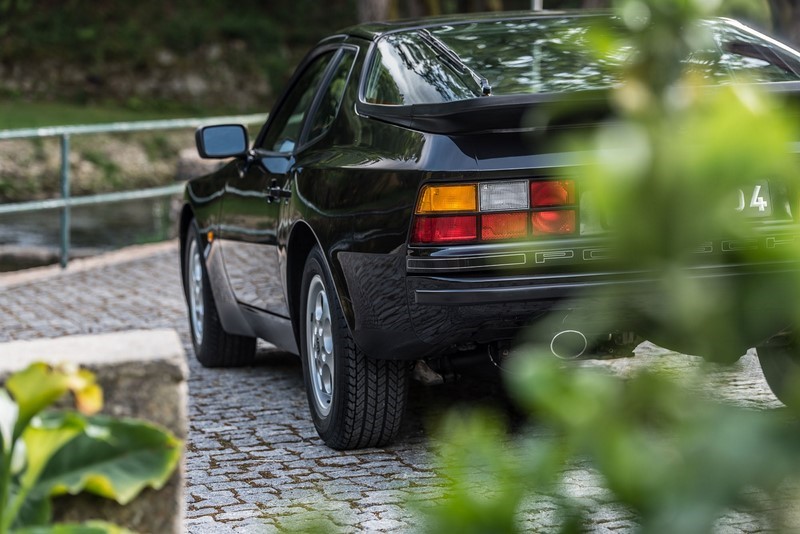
(40, 385)
(34, 389)
(43, 439)
(115, 459)
(9, 411)
(19, 458)
(90, 527)
(34, 513)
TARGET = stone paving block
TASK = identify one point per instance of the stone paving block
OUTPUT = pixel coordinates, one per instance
(215, 499)
(251, 477)
(383, 525)
(384, 497)
(209, 527)
(252, 526)
(238, 515)
(208, 480)
(229, 485)
(200, 512)
(258, 495)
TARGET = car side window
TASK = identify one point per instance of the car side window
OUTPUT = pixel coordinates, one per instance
(332, 97)
(284, 131)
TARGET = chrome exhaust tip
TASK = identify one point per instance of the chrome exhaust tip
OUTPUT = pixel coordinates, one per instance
(568, 344)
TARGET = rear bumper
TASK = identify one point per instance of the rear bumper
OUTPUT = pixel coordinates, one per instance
(410, 316)
(443, 291)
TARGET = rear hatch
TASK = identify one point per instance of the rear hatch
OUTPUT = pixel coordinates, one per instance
(526, 208)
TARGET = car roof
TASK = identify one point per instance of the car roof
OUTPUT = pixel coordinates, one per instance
(374, 30)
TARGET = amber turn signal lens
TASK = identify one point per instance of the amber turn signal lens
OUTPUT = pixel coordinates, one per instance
(447, 198)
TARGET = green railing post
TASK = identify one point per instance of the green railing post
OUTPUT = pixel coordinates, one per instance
(65, 222)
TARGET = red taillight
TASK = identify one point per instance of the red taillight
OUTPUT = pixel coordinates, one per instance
(553, 222)
(552, 194)
(453, 229)
(549, 193)
(494, 211)
(504, 225)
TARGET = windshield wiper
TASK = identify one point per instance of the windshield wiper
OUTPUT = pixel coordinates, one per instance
(455, 61)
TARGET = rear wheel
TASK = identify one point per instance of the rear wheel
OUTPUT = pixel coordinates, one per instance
(213, 347)
(355, 401)
(780, 362)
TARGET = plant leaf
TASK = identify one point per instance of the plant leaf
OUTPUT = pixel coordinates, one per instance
(40, 385)
(9, 411)
(89, 399)
(115, 459)
(89, 527)
(34, 389)
(43, 439)
(33, 513)
(19, 457)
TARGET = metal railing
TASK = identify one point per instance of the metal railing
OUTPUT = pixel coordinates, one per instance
(67, 201)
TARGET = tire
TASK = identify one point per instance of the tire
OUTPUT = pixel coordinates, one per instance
(355, 401)
(213, 347)
(780, 363)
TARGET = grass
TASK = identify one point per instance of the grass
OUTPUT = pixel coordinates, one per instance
(21, 114)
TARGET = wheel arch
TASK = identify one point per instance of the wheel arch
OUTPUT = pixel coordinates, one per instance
(187, 214)
(301, 240)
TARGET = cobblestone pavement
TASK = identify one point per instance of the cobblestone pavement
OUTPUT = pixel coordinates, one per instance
(254, 462)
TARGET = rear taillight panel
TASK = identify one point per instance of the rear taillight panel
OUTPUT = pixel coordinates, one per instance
(495, 211)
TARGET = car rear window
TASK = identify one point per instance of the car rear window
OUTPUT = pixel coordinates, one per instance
(544, 55)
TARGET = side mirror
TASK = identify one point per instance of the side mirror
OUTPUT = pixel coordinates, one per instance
(221, 141)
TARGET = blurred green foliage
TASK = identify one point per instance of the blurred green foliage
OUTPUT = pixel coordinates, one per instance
(663, 169)
(677, 459)
(86, 32)
(666, 169)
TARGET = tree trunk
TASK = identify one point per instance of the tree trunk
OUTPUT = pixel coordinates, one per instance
(373, 10)
(434, 7)
(494, 5)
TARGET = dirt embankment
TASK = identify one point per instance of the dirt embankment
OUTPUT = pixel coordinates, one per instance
(30, 169)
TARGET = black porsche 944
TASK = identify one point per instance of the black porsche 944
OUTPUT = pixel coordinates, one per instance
(392, 211)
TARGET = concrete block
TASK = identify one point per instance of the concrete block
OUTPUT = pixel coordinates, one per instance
(143, 374)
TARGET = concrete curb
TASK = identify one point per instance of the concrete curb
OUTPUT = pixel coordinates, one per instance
(123, 255)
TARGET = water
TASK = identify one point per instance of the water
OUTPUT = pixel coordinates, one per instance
(32, 239)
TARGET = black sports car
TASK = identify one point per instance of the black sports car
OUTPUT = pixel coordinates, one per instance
(392, 212)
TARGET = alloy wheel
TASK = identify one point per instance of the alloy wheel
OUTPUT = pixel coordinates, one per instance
(195, 279)
(319, 340)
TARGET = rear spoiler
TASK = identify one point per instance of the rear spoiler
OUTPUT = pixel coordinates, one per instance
(510, 113)
(486, 114)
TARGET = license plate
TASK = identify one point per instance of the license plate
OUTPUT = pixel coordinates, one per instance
(754, 200)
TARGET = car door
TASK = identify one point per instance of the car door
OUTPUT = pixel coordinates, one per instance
(252, 202)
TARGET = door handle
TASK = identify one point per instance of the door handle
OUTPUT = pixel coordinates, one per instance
(275, 192)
